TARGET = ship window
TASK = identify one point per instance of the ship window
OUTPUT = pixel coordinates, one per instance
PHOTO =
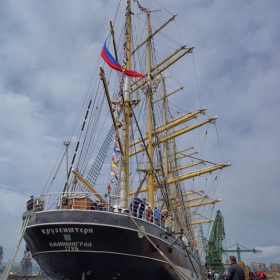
(95, 220)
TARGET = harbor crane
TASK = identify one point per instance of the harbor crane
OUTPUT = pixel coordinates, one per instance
(239, 249)
(213, 247)
(1, 257)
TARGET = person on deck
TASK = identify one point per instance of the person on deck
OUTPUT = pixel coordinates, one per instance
(156, 215)
(149, 214)
(135, 205)
(142, 208)
(256, 275)
(101, 206)
(30, 203)
(235, 272)
(162, 219)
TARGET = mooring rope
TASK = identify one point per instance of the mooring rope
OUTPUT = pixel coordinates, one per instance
(177, 270)
(6, 272)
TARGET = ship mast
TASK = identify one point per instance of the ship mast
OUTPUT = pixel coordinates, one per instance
(167, 126)
(150, 124)
(166, 145)
(124, 178)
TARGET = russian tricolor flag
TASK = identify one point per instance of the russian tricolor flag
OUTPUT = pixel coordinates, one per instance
(110, 60)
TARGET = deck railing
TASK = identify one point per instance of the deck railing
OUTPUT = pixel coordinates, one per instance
(82, 201)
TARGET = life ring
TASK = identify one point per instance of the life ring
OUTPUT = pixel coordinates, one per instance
(149, 214)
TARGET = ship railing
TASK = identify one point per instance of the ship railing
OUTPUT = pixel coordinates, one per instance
(66, 201)
(82, 201)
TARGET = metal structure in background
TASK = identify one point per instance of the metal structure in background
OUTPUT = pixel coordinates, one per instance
(238, 250)
(214, 247)
(26, 263)
(203, 240)
(27, 216)
(1, 257)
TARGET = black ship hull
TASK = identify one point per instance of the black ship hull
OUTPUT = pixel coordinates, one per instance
(83, 244)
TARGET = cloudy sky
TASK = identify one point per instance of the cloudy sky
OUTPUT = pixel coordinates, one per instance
(48, 51)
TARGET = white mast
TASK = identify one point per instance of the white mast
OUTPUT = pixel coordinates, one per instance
(124, 171)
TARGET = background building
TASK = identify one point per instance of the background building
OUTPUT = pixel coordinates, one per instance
(257, 266)
(274, 267)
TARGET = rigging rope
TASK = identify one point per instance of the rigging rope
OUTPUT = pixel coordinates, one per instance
(147, 153)
(176, 269)
(6, 272)
(99, 160)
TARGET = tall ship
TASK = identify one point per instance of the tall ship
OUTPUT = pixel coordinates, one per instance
(130, 191)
